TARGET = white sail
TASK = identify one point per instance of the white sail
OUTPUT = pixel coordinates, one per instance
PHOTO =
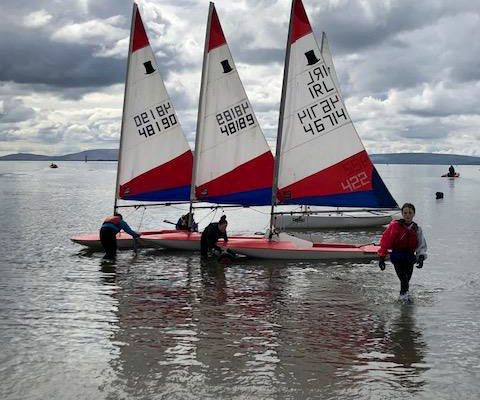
(233, 162)
(155, 160)
(321, 159)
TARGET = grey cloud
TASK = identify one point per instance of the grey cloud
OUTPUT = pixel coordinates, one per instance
(30, 56)
(260, 56)
(9, 136)
(377, 47)
(50, 135)
(14, 110)
(433, 130)
(37, 57)
(38, 61)
(354, 25)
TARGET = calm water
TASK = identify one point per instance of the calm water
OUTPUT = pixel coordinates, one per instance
(157, 326)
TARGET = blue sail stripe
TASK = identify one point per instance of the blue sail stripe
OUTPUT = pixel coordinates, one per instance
(258, 197)
(180, 193)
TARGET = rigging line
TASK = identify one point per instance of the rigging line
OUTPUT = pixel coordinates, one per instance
(141, 218)
(260, 211)
(214, 211)
(206, 216)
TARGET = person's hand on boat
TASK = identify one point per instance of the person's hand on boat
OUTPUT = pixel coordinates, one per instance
(381, 263)
(420, 261)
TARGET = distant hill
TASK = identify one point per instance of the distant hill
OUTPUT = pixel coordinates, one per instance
(391, 158)
(92, 155)
(424, 158)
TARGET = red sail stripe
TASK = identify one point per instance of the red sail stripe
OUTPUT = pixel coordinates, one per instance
(216, 37)
(254, 174)
(353, 174)
(300, 24)
(172, 174)
(140, 39)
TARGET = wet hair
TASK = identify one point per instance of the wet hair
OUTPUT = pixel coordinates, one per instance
(409, 205)
(116, 214)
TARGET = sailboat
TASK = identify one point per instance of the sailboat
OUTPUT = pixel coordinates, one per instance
(335, 218)
(309, 219)
(320, 159)
(233, 164)
(155, 159)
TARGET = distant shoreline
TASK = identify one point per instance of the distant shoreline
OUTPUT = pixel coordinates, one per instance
(109, 155)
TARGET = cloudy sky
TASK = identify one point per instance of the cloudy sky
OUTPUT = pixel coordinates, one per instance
(409, 69)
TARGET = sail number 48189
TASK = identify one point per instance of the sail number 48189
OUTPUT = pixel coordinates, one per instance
(235, 119)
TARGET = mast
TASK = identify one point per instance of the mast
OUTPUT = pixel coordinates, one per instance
(280, 120)
(132, 25)
(199, 113)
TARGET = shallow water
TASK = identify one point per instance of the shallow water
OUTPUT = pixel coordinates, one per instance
(158, 326)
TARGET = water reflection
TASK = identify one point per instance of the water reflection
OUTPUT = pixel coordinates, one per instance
(263, 331)
(393, 357)
(408, 349)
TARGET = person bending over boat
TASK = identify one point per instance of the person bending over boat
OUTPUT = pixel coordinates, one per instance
(182, 223)
(451, 171)
(108, 234)
(210, 236)
(405, 238)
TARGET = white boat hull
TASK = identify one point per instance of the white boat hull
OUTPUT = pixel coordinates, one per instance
(298, 254)
(334, 220)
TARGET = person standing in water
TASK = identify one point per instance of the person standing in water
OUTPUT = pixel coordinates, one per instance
(210, 236)
(451, 171)
(108, 234)
(405, 238)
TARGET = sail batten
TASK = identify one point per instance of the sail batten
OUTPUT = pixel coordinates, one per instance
(321, 158)
(155, 161)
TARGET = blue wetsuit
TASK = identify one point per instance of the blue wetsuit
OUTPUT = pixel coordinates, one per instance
(117, 228)
(108, 233)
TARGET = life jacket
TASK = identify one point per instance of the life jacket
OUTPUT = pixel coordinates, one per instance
(404, 237)
(115, 220)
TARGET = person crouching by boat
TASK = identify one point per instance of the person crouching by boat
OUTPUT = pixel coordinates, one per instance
(182, 223)
(108, 234)
(405, 238)
(210, 236)
(451, 171)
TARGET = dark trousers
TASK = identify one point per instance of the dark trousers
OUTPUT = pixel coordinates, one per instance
(108, 238)
(204, 248)
(404, 272)
(403, 263)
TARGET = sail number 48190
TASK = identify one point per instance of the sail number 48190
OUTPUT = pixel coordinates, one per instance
(155, 120)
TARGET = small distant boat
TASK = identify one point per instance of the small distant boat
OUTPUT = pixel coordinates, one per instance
(52, 165)
(455, 175)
